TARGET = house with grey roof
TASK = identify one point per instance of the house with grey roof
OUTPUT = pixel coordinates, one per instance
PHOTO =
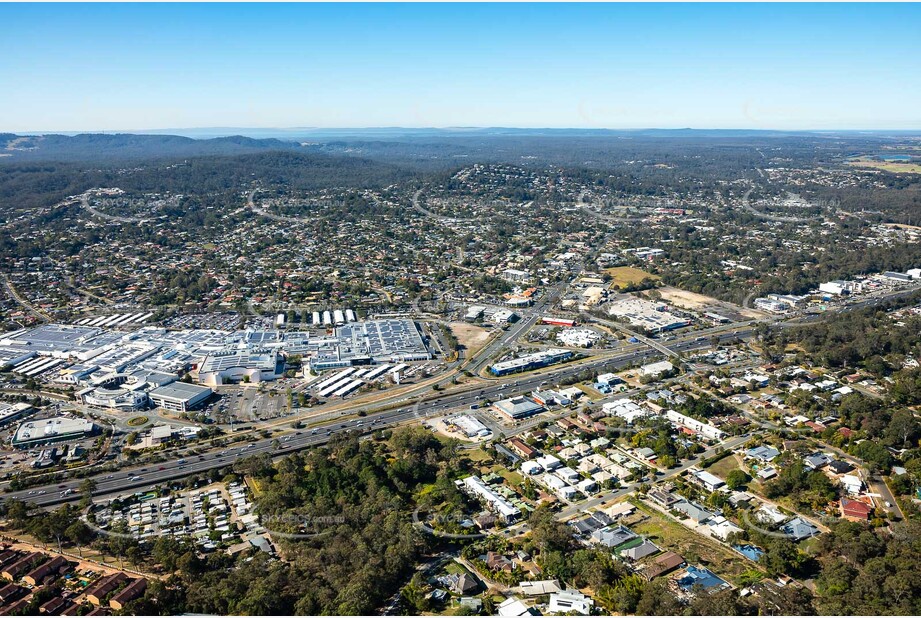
(693, 511)
(762, 453)
(646, 548)
(799, 529)
(612, 537)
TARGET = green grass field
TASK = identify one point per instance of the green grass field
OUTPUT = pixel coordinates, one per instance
(477, 455)
(624, 275)
(724, 466)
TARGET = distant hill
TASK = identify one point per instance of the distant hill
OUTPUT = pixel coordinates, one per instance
(127, 146)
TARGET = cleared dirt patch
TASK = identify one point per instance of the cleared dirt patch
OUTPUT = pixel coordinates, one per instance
(470, 336)
(698, 302)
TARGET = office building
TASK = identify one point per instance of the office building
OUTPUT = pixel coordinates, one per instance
(179, 396)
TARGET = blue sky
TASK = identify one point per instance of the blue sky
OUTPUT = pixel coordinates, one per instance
(73, 67)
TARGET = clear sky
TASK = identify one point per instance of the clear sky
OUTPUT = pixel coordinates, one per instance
(73, 67)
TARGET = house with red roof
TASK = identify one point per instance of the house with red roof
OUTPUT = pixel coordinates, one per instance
(855, 510)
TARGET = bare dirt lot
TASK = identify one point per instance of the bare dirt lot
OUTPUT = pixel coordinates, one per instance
(698, 302)
(470, 336)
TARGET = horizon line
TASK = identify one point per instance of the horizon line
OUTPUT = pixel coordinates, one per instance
(314, 129)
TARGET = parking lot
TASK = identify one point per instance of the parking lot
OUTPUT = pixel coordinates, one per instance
(218, 321)
(248, 404)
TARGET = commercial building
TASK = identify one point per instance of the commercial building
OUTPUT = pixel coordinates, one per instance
(770, 305)
(116, 398)
(652, 317)
(373, 341)
(557, 321)
(240, 365)
(579, 337)
(49, 430)
(474, 313)
(179, 396)
(150, 357)
(11, 411)
(897, 277)
(503, 316)
(656, 369)
(608, 379)
(839, 287)
(470, 426)
(117, 391)
(517, 407)
(530, 361)
(794, 302)
(76, 374)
